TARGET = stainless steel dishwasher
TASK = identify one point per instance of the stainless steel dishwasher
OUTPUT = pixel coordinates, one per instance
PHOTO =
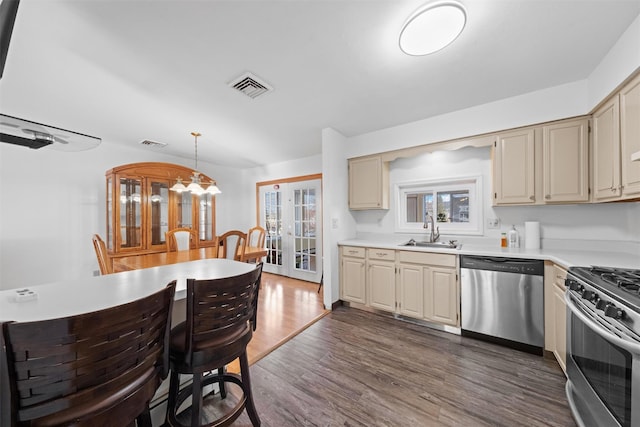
(503, 301)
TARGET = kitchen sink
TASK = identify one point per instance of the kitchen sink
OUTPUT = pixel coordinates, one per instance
(451, 244)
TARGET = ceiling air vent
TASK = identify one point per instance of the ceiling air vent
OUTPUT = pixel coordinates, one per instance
(153, 144)
(250, 85)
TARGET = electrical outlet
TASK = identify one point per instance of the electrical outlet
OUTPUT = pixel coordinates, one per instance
(493, 223)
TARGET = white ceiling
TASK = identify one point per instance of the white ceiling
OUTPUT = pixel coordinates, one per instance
(127, 71)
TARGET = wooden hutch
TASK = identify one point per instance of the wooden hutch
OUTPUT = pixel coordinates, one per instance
(141, 208)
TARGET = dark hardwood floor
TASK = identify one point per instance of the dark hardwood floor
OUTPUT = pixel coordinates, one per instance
(354, 368)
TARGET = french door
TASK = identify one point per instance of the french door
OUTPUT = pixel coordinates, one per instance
(291, 214)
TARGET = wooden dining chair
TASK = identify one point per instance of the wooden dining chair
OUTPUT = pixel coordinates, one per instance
(220, 320)
(96, 369)
(181, 239)
(232, 245)
(104, 260)
(255, 238)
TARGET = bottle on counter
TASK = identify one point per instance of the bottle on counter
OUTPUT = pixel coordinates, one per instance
(503, 240)
(513, 238)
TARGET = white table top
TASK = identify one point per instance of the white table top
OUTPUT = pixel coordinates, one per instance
(77, 296)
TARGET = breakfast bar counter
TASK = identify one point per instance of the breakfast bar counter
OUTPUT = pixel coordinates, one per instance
(84, 295)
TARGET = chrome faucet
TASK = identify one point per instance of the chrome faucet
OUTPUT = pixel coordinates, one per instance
(434, 232)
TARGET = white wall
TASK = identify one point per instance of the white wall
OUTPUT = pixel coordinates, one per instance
(621, 61)
(338, 222)
(276, 171)
(52, 202)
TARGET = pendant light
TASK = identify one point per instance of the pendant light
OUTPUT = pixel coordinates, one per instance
(195, 186)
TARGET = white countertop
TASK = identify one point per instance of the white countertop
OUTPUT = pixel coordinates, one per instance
(564, 257)
(71, 297)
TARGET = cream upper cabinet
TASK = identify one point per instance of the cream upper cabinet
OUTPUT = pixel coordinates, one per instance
(368, 183)
(381, 278)
(514, 168)
(616, 136)
(606, 151)
(630, 137)
(565, 161)
(352, 274)
(544, 164)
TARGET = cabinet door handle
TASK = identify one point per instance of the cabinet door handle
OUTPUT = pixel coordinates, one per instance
(547, 196)
(532, 197)
(381, 254)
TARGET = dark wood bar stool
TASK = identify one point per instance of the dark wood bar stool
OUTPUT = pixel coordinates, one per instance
(221, 317)
(95, 369)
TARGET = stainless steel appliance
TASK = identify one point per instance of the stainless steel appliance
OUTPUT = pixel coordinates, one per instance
(503, 300)
(603, 346)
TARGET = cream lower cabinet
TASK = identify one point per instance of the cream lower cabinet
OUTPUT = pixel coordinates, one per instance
(556, 313)
(381, 278)
(411, 290)
(352, 274)
(428, 287)
(421, 285)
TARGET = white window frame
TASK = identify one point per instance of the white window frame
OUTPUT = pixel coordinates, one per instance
(473, 184)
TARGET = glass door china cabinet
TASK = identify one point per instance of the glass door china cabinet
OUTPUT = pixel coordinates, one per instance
(141, 209)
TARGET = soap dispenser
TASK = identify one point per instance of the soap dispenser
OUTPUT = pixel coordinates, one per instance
(513, 238)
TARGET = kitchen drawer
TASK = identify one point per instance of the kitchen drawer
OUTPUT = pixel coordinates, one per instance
(559, 275)
(381, 254)
(428, 258)
(353, 251)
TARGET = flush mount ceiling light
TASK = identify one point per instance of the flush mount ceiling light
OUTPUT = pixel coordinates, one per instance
(432, 27)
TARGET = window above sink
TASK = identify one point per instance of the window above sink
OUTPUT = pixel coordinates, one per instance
(455, 204)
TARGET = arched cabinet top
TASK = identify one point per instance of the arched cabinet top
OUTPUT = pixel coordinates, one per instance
(157, 170)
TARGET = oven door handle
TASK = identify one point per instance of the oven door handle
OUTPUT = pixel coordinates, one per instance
(630, 346)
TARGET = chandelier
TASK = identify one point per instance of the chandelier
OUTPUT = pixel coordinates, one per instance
(195, 187)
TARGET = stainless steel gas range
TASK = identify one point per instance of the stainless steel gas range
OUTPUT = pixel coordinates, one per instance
(603, 346)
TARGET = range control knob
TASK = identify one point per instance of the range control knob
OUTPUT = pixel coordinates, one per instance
(613, 311)
(574, 286)
(589, 295)
(601, 304)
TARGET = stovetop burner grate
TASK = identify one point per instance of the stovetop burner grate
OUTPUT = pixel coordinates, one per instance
(627, 280)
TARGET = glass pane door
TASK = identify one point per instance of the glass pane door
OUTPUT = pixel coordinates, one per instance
(304, 229)
(110, 218)
(185, 210)
(205, 218)
(291, 214)
(306, 239)
(130, 213)
(159, 203)
(272, 217)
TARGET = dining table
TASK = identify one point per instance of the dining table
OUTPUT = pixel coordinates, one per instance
(137, 262)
